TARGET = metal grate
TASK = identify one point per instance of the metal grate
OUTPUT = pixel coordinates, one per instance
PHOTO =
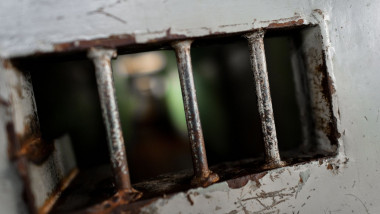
(319, 130)
(203, 176)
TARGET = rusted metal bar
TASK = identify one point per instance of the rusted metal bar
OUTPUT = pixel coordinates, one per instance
(202, 175)
(110, 112)
(264, 101)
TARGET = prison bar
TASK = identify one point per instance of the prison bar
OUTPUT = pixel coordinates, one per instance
(203, 176)
(264, 101)
(103, 72)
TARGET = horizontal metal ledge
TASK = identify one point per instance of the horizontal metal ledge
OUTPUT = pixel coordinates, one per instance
(129, 42)
(130, 39)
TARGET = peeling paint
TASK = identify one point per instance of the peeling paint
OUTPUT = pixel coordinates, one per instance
(304, 176)
(285, 24)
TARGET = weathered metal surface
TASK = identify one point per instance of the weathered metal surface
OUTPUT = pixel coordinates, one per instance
(202, 175)
(264, 100)
(54, 196)
(41, 165)
(349, 40)
(34, 148)
(313, 64)
(118, 203)
(110, 112)
(94, 191)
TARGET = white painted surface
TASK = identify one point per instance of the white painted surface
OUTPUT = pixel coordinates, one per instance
(354, 29)
(10, 184)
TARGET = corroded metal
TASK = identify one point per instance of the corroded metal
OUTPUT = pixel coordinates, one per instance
(21, 164)
(264, 101)
(203, 176)
(165, 35)
(54, 196)
(103, 72)
(118, 203)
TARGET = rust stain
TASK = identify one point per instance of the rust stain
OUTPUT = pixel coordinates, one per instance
(190, 199)
(118, 203)
(276, 24)
(330, 167)
(327, 83)
(31, 145)
(242, 181)
(63, 184)
(168, 36)
(35, 149)
(327, 89)
(110, 42)
(333, 135)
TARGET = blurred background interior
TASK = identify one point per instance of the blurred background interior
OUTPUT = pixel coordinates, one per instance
(151, 110)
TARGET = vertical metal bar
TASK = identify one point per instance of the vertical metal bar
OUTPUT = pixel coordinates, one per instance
(110, 112)
(203, 176)
(259, 68)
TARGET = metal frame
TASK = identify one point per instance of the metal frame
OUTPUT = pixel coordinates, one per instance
(203, 176)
